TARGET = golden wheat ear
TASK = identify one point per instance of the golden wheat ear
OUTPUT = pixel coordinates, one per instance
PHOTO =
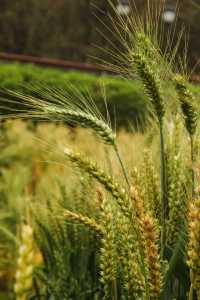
(148, 237)
(194, 245)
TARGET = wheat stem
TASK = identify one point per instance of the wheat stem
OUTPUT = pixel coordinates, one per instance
(122, 165)
(163, 190)
(114, 290)
(192, 166)
(191, 292)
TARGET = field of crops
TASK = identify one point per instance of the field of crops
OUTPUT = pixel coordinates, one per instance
(38, 186)
(88, 210)
(64, 229)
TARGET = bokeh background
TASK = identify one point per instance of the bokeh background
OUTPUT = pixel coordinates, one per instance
(68, 29)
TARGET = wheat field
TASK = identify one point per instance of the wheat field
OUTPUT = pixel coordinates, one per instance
(64, 203)
(88, 213)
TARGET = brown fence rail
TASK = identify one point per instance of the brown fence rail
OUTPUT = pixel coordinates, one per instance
(55, 63)
(66, 65)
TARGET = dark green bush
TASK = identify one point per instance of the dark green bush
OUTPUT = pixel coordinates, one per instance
(125, 100)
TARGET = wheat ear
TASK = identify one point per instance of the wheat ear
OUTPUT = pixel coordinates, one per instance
(88, 222)
(60, 107)
(187, 104)
(108, 268)
(176, 199)
(113, 187)
(152, 85)
(190, 117)
(194, 245)
(129, 257)
(25, 264)
(148, 237)
(150, 184)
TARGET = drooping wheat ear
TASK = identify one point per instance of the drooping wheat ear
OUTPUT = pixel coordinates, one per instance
(114, 188)
(83, 119)
(25, 264)
(187, 104)
(88, 222)
(149, 238)
(194, 245)
(108, 268)
(60, 106)
(151, 84)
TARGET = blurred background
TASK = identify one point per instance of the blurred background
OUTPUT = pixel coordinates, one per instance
(68, 29)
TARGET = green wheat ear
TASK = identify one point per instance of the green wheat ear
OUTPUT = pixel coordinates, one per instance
(72, 107)
(190, 117)
(90, 223)
(187, 104)
(108, 267)
(118, 192)
(151, 84)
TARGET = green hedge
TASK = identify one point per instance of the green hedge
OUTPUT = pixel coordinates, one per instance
(126, 102)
